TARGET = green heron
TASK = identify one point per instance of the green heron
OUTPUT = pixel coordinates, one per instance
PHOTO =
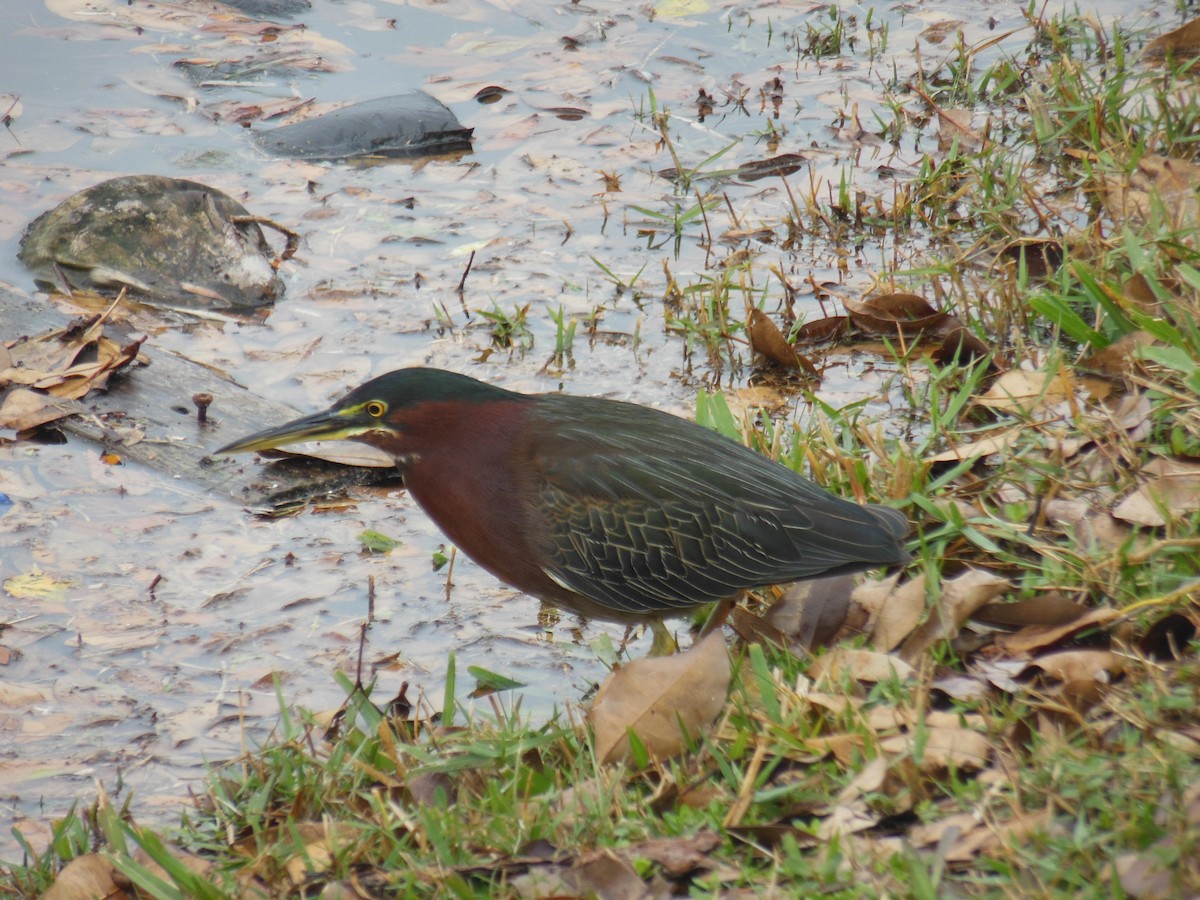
(606, 509)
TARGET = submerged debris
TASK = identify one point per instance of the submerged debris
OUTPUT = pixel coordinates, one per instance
(406, 125)
(170, 241)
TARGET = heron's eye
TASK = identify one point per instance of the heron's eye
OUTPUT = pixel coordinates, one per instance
(376, 409)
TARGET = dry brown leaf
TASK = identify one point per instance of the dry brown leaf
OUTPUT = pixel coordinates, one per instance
(990, 837)
(1086, 524)
(1051, 608)
(1132, 414)
(961, 687)
(835, 703)
(827, 329)
(845, 748)
(891, 719)
(431, 789)
(604, 873)
(992, 442)
(939, 31)
(23, 409)
(895, 609)
(874, 778)
(1169, 867)
(1038, 637)
(887, 314)
(88, 877)
(1120, 357)
(39, 357)
(1137, 292)
(1078, 665)
(345, 890)
(1173, 487)
(864, 665)
(1146, 875)
(198, 864)
(677, 856)
(950, 828)
(1179, 44)
(942, 748)
(768, 341)
(1023, 392)
(959, 345)
(67, 362)
(955, 125)
(784, 164)
(848, 818)
(960, 597)
(1040, 256)
(1169, 637)
(809, 613)
(657, 697)
(1159, 182)
(752, 628)
(850, 813)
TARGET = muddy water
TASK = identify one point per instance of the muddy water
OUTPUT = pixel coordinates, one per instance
(149, 620)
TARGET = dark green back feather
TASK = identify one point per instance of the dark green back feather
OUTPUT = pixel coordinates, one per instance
(648, 512)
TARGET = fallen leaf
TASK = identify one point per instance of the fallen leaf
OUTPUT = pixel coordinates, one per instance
(1121, 357)
(809, 613)
(87, 877)
(1039, 637)
(1173, 488)
(955, 125)
(993, 442)
(845, 748)
(939, 31)
(604, 873)
(678, 856)
(37, 585)
(992, 837)
(960, 597)
(24, 409)
(828, 329)
(939, 749)
(663, 700)
(1040, 256)
(864, 665)
(68, 362)
(768, 341)
(895, 608)
(1086, 524)
(960, 345)
(889, 314)
(1168, 638)
(1049, 608)
(784, 164)
(1024, 392)
(1077, 665)
(925, 834)
(849, 817)
(1169, 867)
(1159, 186)
(1178, 44)
(190, 861)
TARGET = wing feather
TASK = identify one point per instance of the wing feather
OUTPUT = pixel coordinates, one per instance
(645, 513)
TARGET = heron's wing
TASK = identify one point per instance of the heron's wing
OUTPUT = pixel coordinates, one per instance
(645, 513)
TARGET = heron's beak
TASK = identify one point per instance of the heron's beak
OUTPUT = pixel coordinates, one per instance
(330, 425)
